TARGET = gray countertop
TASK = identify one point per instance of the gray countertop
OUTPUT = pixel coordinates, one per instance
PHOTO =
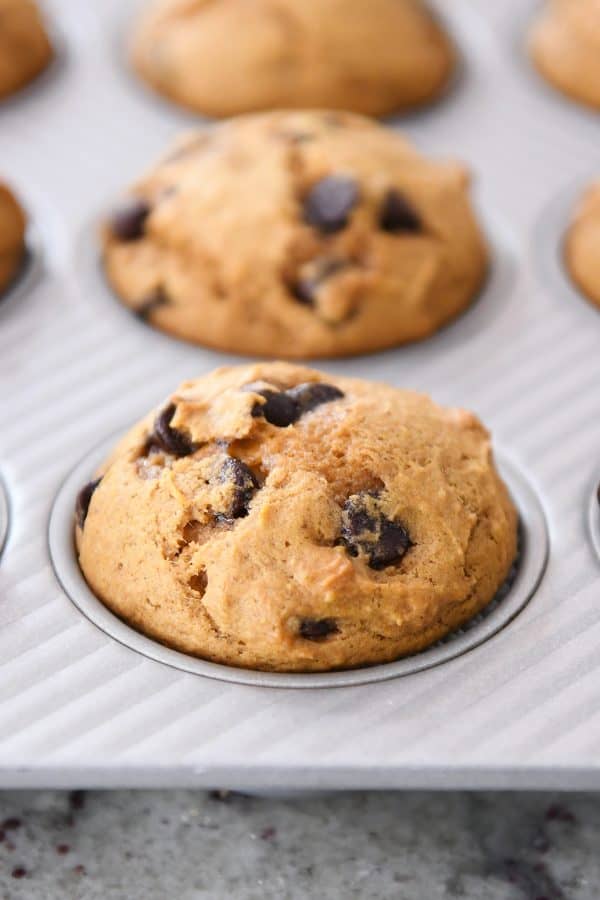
(184, 845)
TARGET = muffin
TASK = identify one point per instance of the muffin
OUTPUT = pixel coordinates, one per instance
(226, 57)
(582, 245)
(565, 48)
(25, 48)
(272, 517)
(12, 237)
(297, 234)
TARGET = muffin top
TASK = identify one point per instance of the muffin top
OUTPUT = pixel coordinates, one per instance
(565, 47)
(25, 48)
(225, 57)
(276, 518)
(12, 236)
(297, 234)
(582, 244)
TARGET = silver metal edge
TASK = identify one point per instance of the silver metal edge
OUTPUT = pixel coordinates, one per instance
(593, 514)
(4, 515)
(534, 555)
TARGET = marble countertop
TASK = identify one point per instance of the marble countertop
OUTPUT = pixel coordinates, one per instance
(187, 845)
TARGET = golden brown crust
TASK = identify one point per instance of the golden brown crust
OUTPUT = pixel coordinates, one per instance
(565, 47)
(582, 245)
(225, 58)
(227, 246)
(25, 48)
(12, 236)
(238, 568)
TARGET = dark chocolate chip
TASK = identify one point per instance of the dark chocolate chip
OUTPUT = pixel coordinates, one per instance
(309, 396)
(306, 287)
(170, 439)
(317, 629)
(279, 409)
(245, 485)
(150, 303)
(329, 203)
(365, 529)
(283, 408)
(84, 498)
(127, 222)
(397, 214)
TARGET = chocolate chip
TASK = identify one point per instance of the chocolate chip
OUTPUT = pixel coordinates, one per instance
(307, 286)
(317, 629)
(366, 530)
(84, 498)
(170, 439)
(127, 221)
(151, 302)
(245, 485)
(283, 408)
(330, 202)
(309, 396)
(279, 409)
(397, 214)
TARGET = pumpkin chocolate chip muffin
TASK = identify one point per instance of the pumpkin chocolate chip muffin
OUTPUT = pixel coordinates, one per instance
(12, 237)
(225, 57)
(272, 517)
(297, 234)
(25, 48)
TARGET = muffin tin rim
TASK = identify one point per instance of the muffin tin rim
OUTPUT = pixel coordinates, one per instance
(532, 564)
(4, 515)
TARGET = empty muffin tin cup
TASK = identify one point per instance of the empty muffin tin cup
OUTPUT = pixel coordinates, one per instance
(510, 600)
(29, 272)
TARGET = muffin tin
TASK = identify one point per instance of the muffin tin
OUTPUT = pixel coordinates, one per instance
(509, 701)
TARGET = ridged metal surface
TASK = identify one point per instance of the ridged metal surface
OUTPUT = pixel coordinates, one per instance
(77, 707)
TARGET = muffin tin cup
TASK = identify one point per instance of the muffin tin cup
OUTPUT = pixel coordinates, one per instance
(510, 601)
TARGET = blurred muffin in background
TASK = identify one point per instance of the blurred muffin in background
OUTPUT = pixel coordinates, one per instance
(225, 57)
(582, 244)
(12, 237)
(297, 234)
(565, 47)
(25, 48)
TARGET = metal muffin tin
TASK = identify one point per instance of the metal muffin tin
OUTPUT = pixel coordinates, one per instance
(84, 699)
